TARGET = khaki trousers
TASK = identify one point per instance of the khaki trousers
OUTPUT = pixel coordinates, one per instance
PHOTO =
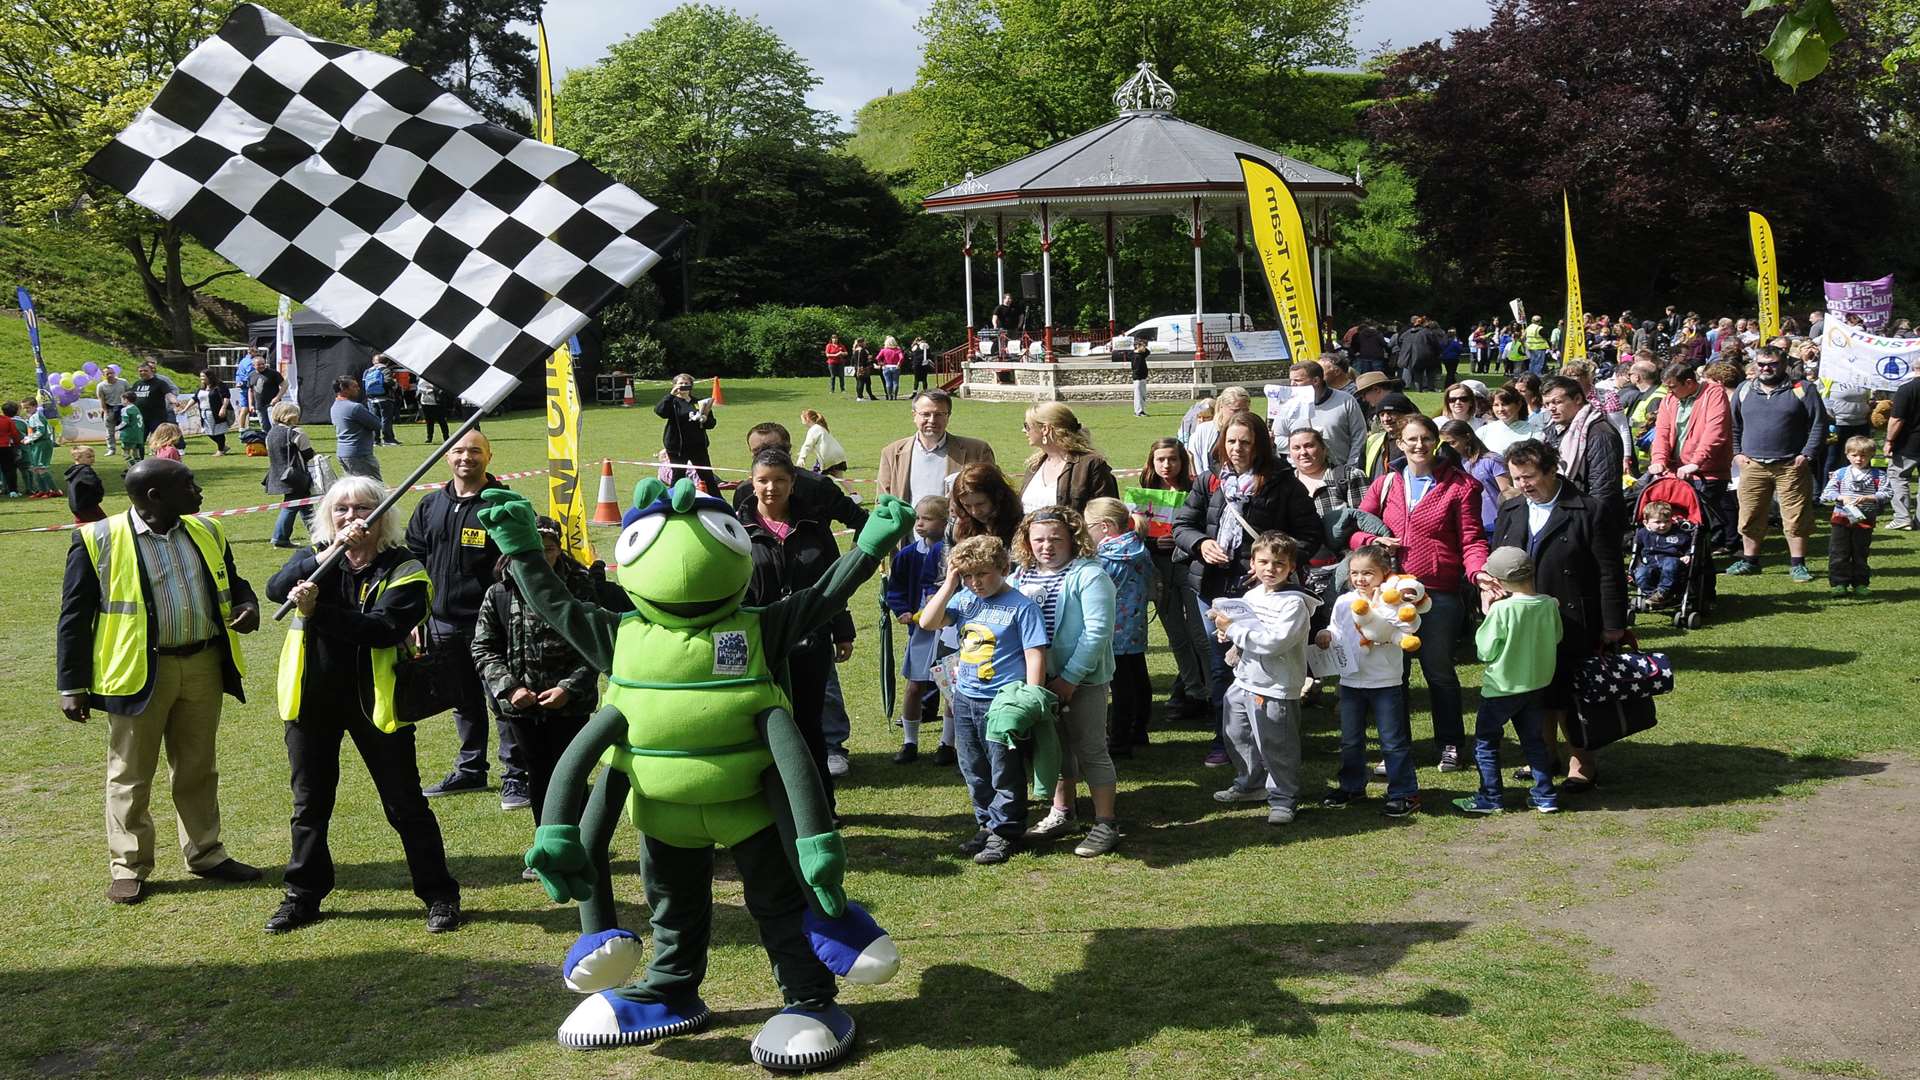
(184, 714)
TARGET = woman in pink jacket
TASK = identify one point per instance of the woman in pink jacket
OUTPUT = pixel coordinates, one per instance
(1432, 510)
(891, 358)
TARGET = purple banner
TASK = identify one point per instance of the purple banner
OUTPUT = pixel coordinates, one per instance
(1871, 300)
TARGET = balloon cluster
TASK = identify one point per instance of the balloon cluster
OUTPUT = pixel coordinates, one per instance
(68, 387)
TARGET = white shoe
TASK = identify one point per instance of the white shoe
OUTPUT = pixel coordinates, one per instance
(1235, 795)
(1057, 823)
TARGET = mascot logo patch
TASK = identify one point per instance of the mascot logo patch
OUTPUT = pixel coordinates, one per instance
(730, 652)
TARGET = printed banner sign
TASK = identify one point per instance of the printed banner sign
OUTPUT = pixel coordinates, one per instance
(1259, 345)
(1852, 357)
(1871, 300)
(1767, 274)
(1289, 408)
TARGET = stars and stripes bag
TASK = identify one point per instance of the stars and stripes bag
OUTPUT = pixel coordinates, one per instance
(1614, 694)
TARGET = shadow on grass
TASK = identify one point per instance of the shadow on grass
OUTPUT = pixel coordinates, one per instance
(1757, 658)
(1142, 981)
(376, 1011)
(1638, 775)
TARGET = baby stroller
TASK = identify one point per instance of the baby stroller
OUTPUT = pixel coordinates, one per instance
(1693, 597)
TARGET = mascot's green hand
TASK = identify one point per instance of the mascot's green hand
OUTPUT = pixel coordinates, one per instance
(890, 521)
(562, 863)
(823, 864)
(509, 519)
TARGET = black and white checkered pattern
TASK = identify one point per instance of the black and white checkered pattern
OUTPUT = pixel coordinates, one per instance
(348, 180)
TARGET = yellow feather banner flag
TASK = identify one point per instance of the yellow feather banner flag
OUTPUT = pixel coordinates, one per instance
(1768, 272)
(1573, 344)
(566, 500)
(1280, 239)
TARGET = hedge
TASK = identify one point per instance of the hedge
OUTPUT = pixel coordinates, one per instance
(769, 339)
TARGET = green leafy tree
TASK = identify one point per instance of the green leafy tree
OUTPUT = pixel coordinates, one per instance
(73, 73)
(1001, 78)
(680, 109)
(1808, 31)
(471, 48)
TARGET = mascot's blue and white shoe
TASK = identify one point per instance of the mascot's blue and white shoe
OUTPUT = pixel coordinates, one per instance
(601, 961)
(797, 1039)
(607, 1019)
(853, 946)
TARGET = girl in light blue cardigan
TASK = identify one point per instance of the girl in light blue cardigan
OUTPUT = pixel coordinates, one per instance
(1056, 569)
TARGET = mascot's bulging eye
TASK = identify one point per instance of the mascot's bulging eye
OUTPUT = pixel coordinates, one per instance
(727, 529)
(637, 538)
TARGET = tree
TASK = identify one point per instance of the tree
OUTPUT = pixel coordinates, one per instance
(73, 73)
(1001, 78)
(470, 48)
(1808, 31)
(683, 106)
(1663, 138)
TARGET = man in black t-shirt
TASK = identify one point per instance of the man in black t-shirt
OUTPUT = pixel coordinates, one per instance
(1006, 319)
(1903, 451)
(264, 389)
(154, 394)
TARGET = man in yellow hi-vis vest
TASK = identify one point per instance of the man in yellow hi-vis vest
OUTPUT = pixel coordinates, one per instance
(150, 615)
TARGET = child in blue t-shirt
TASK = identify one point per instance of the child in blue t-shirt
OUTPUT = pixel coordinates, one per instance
(1003, 641)
(1128, 562)
(914, 576)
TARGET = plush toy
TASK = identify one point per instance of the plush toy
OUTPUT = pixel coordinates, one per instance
(701, 749)
(1393, 618)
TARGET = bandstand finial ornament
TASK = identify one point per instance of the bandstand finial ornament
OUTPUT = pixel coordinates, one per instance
(1144, 92)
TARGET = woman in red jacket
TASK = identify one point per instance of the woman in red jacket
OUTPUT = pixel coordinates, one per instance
(1432, 509)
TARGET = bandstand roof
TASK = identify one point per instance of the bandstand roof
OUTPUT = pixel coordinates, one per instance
(1146, 161)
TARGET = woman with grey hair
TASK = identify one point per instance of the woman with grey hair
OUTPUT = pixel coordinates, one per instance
(337, 680)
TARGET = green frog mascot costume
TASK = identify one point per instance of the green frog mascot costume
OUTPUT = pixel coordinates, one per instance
(701, 750)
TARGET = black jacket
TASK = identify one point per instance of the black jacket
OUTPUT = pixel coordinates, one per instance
(1576, 561)
(85, 490)
(513, 647)
(345, 626)
(686, 432)
(814, 496)
(446, 535)
(80, 603)
(802, 559)
(1280, 504)
(1597, 473)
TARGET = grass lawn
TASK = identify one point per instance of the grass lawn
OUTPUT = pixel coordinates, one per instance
(1209, 945)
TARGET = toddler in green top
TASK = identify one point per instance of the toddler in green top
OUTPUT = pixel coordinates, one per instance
(1518, 641)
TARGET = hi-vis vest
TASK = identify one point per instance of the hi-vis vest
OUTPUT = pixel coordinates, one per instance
(293, 654)
(120, 631)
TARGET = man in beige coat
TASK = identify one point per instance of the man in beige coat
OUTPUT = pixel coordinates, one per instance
(922, 463)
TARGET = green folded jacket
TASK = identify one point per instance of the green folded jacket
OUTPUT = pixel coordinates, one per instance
(1024, 711)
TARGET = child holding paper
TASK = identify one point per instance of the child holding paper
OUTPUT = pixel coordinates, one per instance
(1268, 629)
(1375, 690)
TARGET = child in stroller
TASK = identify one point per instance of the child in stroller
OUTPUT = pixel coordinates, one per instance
(1671, 567)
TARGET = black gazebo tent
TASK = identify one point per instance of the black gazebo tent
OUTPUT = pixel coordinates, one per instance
(322, 352)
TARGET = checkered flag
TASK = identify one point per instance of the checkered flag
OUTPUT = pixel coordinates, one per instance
(350, 181)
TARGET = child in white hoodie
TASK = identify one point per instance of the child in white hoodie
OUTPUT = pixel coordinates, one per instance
(1268, 629)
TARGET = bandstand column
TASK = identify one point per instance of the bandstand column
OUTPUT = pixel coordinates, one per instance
(1199, 297)
(966, 270)
(999, 259)
(1046, 282)
(1240, 255)
(1110, 307)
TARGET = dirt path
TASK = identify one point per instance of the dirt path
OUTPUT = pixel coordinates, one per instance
(1796, 945)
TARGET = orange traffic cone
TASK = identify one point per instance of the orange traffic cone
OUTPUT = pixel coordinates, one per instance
(718, 397)
(628, 403)
(607, 510)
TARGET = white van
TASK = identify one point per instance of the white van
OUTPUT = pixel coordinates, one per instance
(1174, 333)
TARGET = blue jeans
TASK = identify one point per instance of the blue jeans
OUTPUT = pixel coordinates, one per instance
(1387, 706)
(283, 525)
(1219, 673)
(1537, 360)
(1657, 573)
(1440, 630)
(1529, 722)
(996, 775)
(890, 382)
(383, 408)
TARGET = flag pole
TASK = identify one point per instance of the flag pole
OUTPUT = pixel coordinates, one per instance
(335, 552)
